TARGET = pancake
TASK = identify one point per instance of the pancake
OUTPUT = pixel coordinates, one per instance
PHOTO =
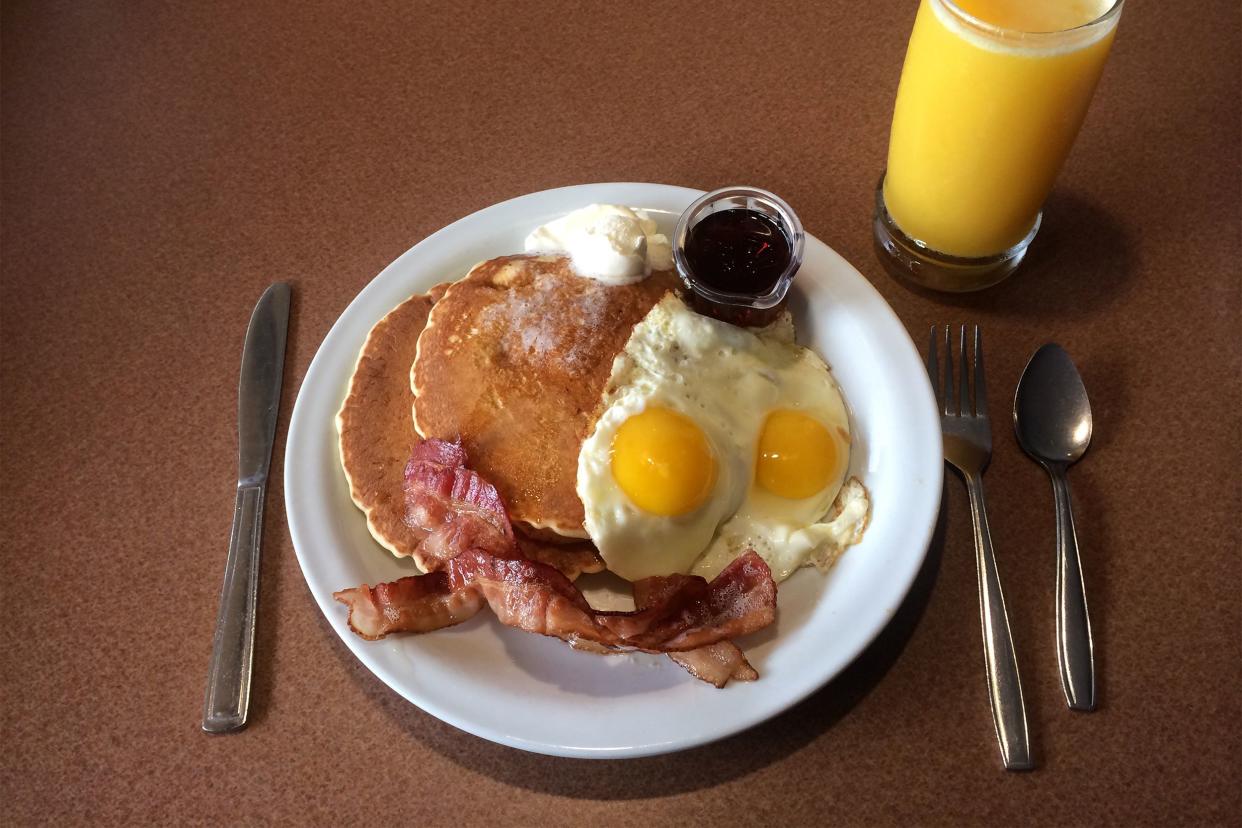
(376, 435)
(513, 362)
(374, 427)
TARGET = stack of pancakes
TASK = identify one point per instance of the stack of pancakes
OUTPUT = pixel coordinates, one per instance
(512, 361)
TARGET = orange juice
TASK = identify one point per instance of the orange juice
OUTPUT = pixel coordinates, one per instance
(991, 97)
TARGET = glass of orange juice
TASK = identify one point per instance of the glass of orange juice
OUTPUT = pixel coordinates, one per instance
(991, 96)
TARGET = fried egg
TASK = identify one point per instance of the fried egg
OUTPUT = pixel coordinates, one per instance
(714, 439)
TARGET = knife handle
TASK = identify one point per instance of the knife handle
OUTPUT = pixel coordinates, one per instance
(232, 647)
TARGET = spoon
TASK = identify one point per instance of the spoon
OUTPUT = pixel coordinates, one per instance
(1052, 418)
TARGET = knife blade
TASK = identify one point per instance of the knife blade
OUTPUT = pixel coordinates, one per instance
(227, 699)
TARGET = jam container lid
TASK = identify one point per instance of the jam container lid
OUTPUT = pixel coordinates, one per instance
(739, 308)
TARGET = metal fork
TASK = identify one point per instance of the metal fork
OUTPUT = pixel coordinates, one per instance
(968, 448)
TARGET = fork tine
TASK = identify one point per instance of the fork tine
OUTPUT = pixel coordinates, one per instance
(933, 365)
(981, 388)
(963, 385)
(947, 399)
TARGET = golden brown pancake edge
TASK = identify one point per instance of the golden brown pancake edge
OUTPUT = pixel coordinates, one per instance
(375, 434)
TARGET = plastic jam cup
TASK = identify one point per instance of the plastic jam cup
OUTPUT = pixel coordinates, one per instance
(753, 308)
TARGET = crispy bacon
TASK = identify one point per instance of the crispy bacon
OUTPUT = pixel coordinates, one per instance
(693, 612)
(714, 663)
(717, 663)
(454, 506)
(456, 509)
(477, 560)
(535, 597)
(421, 603)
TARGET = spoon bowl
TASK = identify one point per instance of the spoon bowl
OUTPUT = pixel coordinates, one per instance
(1051, 413)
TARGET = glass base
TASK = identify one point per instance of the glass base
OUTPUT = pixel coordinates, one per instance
(911, 261)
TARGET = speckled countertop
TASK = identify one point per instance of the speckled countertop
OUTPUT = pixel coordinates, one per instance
(162, 163)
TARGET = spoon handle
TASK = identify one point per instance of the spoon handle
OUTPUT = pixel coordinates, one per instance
(1075, 650)
(1004, 683)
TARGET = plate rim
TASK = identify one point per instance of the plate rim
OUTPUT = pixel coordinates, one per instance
(298, 426)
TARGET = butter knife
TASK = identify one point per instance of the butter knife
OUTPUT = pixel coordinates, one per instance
(258, 398)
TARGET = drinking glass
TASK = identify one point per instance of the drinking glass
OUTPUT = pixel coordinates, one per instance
(992, 94)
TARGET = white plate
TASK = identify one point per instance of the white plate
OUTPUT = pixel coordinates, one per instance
(535, 693)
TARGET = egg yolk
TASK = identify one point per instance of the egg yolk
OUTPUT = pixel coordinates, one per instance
(663, 463)
(797, 455)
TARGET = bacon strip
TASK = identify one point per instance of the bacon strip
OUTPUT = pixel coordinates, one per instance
(535, 597)
(714, 663)
(421, 603)
(455, 509)
(717, 663)
(740, 600)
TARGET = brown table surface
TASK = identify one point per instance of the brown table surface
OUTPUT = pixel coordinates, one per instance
(162, 163)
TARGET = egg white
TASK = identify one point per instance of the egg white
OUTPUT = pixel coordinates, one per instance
(785, 543)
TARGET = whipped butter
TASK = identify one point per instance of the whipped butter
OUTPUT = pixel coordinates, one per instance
(616, 245)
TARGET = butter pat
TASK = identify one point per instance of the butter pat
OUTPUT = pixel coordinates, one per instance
(616, 245)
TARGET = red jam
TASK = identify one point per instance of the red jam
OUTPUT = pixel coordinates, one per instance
(738, 251)
(738, 256)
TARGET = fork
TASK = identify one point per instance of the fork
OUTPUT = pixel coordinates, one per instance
(968, 448)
